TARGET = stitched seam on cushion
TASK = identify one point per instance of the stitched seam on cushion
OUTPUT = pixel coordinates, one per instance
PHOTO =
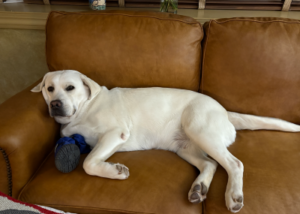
(196, 22)
(201, 54)
(94, 208)
(46, 27)
(8, 171)
(203, 207)
(200, 66)
(34, 174)
(203, 62)
(251, 20)
(190, 23)
(202, 31)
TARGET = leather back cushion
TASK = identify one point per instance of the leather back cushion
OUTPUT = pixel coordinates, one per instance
(252, 65)
(126, 48)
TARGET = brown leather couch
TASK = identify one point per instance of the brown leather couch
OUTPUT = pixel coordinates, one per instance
(249, 65)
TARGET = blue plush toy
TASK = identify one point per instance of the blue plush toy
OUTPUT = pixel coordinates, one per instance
(67, 152)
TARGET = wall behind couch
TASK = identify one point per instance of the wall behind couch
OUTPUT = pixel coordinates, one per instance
(22, 60)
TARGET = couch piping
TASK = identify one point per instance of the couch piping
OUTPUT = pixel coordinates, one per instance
(8, 170)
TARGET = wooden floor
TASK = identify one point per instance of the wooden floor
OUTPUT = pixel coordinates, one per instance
(33, 16)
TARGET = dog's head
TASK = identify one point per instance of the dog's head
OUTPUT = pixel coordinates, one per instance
(65, 92)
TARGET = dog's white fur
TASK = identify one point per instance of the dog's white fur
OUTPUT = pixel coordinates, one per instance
(122, 119)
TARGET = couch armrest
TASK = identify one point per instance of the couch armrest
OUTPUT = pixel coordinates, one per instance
(27, 135)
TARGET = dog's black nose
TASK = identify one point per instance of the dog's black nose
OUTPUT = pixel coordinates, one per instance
(55, 104)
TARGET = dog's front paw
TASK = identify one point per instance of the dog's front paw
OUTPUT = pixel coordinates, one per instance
(106, 170)
(123, 171)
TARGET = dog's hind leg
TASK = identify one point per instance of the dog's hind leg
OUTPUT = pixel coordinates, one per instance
(212, 132)
(207, 168)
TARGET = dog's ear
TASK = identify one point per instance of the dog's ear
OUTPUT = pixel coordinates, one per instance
(39, 87)
(93, 86)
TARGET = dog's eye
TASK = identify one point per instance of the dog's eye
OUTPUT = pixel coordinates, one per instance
(70, 88)
(50, 89)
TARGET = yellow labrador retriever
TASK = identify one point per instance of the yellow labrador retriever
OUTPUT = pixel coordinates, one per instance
(123, 119)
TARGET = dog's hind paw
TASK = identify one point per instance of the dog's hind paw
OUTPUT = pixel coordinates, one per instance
(198, 193)
(236, 204)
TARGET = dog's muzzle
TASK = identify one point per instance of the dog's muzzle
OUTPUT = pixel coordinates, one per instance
(57, 108)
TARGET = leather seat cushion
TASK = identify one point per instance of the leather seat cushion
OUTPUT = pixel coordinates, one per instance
(159, 182)
(271, 174)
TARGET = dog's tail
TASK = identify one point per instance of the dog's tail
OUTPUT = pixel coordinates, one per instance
(246, 121)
